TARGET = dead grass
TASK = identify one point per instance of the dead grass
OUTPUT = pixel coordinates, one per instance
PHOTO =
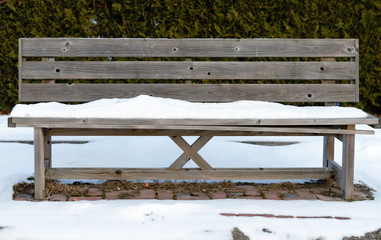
(78, 189)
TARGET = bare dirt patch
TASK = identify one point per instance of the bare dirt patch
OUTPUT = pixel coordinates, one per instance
(239, 235)
(376, 235)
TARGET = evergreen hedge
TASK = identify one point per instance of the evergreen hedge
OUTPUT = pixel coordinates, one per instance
(189, 19)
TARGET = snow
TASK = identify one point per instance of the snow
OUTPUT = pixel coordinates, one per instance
(145, 106)
(158, 219)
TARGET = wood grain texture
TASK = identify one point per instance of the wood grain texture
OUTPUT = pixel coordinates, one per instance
(167, 132)
(338, 171)
(20, 59)
(47, 59)
(328, 149)
(48, 150)
(328, 59)
(39, 168)
(226, 129)
(115, 123)
(190, 152)
(190, 92)
(190, 174)
(348, 166)
(127, 47)
(183, 158)
(357, 62)
(187, 70)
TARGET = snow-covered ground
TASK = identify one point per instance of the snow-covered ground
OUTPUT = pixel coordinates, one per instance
(154, 219)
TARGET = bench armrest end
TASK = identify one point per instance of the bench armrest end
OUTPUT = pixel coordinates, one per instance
(10, 123)
(378, 126)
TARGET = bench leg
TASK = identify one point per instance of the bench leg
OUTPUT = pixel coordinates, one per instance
(348, 166)
(191, 153)
(183, 159)
(328, 150)
(39, 168)
(48, 151)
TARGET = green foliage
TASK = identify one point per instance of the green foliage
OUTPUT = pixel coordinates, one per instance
(194, 19)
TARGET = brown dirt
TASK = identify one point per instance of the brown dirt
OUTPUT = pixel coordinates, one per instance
(376, 235)
(78, 189)
(239, 235)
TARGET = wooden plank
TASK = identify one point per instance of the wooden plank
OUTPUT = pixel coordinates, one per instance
(161, 132)
(183, 159)
(47, 59)
(325, 59)
(338, 169)
(328, 149)
(135, 47)
(189, 81)
(192, 153)
(47, 150)
(263, 129)
(116, 123)
(348, 166)
(188, 70)
(378, 125)
(357, 80)
(190, 92)
(39, 169)
(190, 174)
(20, 67)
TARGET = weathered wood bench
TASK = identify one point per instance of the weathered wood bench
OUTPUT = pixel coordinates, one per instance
(202, 70)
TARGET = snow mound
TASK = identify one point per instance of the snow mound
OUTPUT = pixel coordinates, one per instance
(144, 106)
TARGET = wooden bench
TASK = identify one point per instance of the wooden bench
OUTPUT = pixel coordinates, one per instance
(203, 70)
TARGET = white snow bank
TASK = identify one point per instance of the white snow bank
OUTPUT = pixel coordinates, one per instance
(158, 108)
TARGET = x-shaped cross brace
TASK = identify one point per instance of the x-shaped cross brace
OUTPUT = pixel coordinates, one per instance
(190, 152)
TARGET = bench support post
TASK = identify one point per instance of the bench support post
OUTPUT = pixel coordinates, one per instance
(48, 151)
(328, 150)
(348, 166)
(183, 159)
(191, 152)
(39, 159)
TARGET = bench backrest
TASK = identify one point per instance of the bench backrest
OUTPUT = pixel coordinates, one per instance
(208, 70)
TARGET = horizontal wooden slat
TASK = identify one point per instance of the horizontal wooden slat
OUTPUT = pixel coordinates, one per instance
(227, 129)
(185, 132)
(190, 174)
(98, 47)
(166, 132)
(203, 129)
(187, 70)
(190, 92)
(114, 123)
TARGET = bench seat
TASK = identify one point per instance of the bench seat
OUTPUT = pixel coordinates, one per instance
(136, 117)
(252, 127)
